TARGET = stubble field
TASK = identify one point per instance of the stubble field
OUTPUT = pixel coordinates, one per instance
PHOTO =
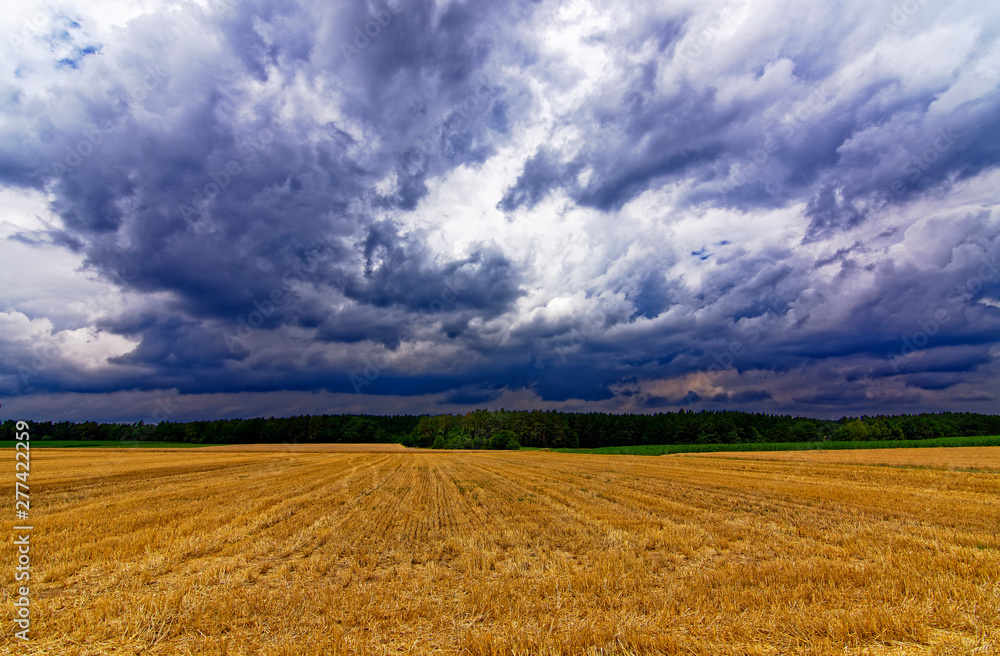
(298, 553)
(982, 458)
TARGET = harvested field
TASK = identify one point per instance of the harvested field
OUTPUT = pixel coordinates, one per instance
(310, 448)
(227, 552)
(966, 457)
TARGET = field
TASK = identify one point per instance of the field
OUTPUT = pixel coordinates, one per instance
(214, 552)
(983, 458)
(310, 448)
(668, 449)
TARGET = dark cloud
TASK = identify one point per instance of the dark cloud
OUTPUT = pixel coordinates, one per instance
(690, 398)
(271, 187)
(472, 395)
(541, 173)
(750, 396)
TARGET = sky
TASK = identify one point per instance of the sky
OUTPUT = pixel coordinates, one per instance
(239, 208)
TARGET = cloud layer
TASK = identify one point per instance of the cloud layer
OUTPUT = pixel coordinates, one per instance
(418, 207)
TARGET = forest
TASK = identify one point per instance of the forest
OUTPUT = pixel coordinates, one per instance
(512, 429)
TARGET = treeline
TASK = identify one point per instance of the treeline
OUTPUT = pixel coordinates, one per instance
(314, 428)
(503, 429)
(592, 430)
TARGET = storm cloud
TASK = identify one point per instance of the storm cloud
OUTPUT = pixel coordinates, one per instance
(411, 206)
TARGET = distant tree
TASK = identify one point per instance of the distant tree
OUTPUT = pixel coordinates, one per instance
(803, 431)
(856, 431)
(361, 430)
(500, 439)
